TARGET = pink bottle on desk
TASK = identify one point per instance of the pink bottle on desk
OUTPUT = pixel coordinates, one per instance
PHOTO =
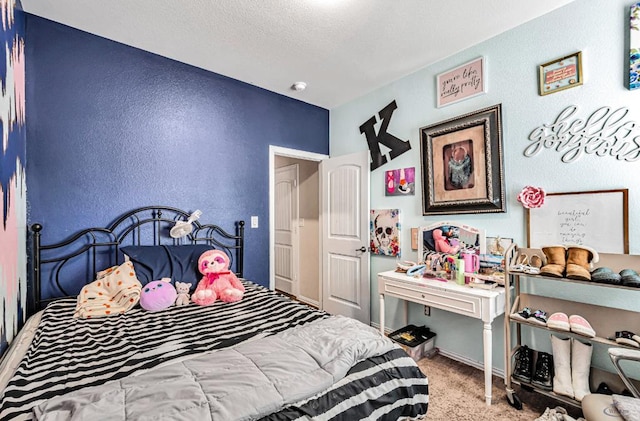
(471, 263)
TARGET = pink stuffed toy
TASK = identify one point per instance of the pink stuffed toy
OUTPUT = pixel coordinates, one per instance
(442, 244)
(218, 281)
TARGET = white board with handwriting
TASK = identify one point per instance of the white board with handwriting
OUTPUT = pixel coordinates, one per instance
(594, 219)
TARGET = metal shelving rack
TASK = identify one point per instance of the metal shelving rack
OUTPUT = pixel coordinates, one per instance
(605, 320)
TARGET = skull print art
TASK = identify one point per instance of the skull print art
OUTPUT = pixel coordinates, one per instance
(384, 232)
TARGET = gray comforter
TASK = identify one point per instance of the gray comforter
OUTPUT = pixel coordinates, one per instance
(246, 382)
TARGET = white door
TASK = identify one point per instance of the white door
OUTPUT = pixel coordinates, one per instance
(345, 235)
(286, 229)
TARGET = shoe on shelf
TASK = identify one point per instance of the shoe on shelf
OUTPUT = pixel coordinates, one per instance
(581, 326)
(580, 260)
(630, 278)
(559, 321)
(556, 261)
(539, 317)
(543, 375)
(523, 314)
(524, 364)
(603, 389)
(531, 270)
(628, 338)
(556, 414)
(605, 275)
(521, 261)
(536, 261)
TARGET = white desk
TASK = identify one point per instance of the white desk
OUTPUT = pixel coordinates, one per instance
(478, 303)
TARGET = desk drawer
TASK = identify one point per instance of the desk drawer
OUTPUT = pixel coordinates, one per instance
(445, 300)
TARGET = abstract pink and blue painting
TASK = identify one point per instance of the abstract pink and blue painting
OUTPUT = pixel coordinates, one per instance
(13, 208)
(634, 44)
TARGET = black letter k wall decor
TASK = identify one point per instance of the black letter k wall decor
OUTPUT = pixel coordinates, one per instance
(397, 146)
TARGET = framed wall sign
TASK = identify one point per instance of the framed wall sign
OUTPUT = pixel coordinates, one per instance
(462, 169)
(465, 81)
(562, 73)
(597, 219)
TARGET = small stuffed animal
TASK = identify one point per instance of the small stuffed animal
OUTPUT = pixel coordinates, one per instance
(158, 295)
(182, 288)
(217, 281)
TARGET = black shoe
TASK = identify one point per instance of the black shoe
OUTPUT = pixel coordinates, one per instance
(524, 364)
(544, 371)
(627, 338)
(603, 389)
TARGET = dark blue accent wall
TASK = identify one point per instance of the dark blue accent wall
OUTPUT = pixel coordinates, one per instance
(111, 128)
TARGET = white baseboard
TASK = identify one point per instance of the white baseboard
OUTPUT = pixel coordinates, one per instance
(454, 356)
(467, 361)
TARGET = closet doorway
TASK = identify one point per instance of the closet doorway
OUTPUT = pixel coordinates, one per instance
(295, 225)
(331, 230)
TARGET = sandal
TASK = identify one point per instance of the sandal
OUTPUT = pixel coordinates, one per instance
(539, 317)
(581, 326)
(521, 262)
(523, 314)
(627, 338)
(536, 262)
(559, 321)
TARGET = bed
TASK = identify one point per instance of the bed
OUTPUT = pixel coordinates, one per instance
(264, 357)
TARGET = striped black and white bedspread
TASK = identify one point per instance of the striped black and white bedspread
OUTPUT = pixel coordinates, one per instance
(68, 354)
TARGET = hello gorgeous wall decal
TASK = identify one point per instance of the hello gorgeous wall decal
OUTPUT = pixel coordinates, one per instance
(604, 133)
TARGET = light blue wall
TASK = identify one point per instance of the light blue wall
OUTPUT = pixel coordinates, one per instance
(598, 28)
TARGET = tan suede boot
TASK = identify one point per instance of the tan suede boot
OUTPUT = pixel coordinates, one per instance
(579, 259)
(556, 261)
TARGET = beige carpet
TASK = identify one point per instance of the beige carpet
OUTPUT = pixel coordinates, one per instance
(456, 393)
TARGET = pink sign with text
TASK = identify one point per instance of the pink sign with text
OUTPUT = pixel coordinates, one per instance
(460, 83)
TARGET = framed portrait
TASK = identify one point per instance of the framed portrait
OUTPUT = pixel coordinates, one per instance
(597, 219)
(562, 73)
(462, 164)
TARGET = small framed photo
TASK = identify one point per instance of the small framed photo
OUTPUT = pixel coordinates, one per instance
(562, 73)
(497, 246)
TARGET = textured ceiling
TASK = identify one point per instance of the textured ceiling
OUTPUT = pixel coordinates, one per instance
(342, 49)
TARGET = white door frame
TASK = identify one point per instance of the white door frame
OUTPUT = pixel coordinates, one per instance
(291, 153)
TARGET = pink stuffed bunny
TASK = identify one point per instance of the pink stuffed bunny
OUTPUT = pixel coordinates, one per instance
(217, 281)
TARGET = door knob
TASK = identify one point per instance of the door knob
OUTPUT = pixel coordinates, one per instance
(362, 249)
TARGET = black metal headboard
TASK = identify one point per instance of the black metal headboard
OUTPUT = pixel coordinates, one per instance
(94, 249)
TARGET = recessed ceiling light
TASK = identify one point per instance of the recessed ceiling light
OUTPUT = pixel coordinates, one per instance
(299, 86)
